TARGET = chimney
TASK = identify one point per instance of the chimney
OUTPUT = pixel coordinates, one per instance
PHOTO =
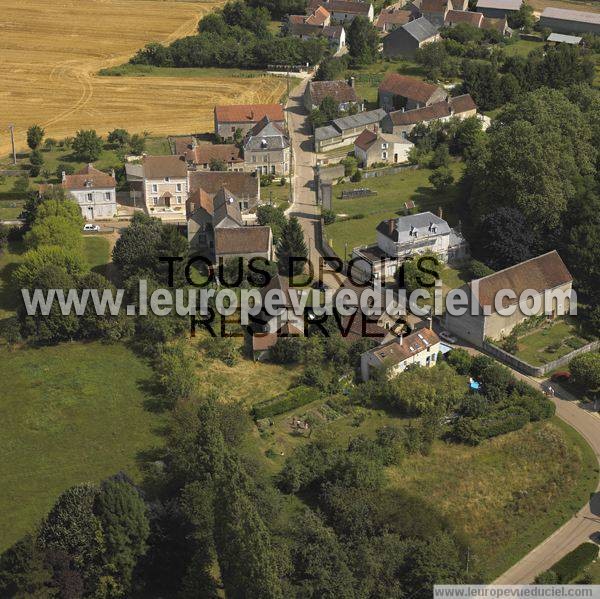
(252, 115)
(401, 338)
(440, 212)
(351, 82)
(192, 207)
(390, 226)
(112, 173)
(431, 323)
(63, 176)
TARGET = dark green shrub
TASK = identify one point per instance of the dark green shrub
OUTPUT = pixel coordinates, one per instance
(574, 562)
(290, 400)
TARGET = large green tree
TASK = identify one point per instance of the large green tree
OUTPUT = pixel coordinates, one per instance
(35, 134)
(363, 41)
(87, 145)
(291, 245)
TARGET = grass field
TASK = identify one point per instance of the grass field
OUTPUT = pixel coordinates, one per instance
(392, 192)
(51, 53)
(585, 5)
(64, 421)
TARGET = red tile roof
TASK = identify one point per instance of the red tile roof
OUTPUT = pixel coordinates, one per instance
(203, 153)
(365, 140)
(540, 274)
(464, 16)
(318, 17)
(89, 178)
(159, 167)
(264, 341)
(396, 17)
(346, 6)
(438, 110)
(408, 87)
(248, 113)
(434, 5)
(463, 103)
(242, 185)
(340, 91)
(242, 240)
(401, 349)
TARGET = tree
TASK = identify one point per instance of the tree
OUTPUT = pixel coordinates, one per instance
(217, 164)
(441, 157)
(36, 159)
(523, 18)
(175, 373)
(585, 369)
(274, 217)
(137, 144)
(363, 41)
(124, 519)
(21, 184)
(35, 134)
(54, 230)
(441, 178)
(87, 145)
(118, 138)
(246, 557)
(292, 246)
(34, 261)
(320, 564)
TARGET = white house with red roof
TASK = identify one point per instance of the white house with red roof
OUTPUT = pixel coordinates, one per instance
(94, 190)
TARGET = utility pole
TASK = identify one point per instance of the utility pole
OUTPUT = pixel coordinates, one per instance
(12, 139)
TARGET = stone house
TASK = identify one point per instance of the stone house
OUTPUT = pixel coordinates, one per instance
(370, 148)
(402, 92)
(267, 149)
(402, 122)
(199, 156)
(229, 118)
(407, 39)
(334, 34)
(420, 348)
(343, 11)
(343, 93)
(94, 191)
(344, 131)
(161, 183)
(547, 278)
(399, 239)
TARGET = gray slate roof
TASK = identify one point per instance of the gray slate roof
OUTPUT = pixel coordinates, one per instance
(266, 135)
(416, 222)
(361, 119)
(226, 206)
(500, 4)
(421, 29)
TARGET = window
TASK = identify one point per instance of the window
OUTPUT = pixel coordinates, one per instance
(154, 188)
(178, 187)
(155, 200)
(253, 158)
(384, 146)
(265, 158)
(179, 199)
(90, 197)
(167, 179)
(233, 129)
(384, 155)
(107, 195)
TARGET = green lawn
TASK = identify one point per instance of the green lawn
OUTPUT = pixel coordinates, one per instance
(72, 413)
(279, 194)
(96, 250)
(536, 348)
(392, 192)
(10, 209)
(521, 47)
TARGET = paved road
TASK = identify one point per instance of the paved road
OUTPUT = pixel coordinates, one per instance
(305, 206)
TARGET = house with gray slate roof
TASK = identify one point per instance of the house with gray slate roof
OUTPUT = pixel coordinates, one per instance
(406, 40)
(267, 149)
(346, 129)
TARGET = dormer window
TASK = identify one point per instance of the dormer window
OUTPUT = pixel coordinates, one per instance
(167, 179)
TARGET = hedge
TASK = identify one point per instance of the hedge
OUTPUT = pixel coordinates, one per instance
(572, 564)
(290, 400)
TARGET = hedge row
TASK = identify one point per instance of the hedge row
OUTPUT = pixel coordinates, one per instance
(572, 564)
(290, 400)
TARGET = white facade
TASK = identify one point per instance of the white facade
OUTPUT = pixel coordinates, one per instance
(96, 204)
(165, 197)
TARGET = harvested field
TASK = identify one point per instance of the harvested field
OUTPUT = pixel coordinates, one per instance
(50, 53)
(588, 6)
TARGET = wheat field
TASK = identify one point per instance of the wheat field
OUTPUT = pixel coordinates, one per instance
(51, 50)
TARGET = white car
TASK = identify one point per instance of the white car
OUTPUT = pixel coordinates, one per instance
(446, 336)
(91, 227)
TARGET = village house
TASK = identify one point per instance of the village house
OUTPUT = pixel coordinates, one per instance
(94, 191)
(334, 34)
(402, 92)
(407, 39)
(229, 118)
(203, 156)
(267, 149)
(320, 16)
(498, 9)
(435, 10)
(372, 148)
(160, 184)
(563, 20)
(420, 348)
(405, 237)
(344, 131)
(391, 18)
(343, 93)
(244, 186)
(401, 122)
(547, 278)
(216, 225)
(343, 11)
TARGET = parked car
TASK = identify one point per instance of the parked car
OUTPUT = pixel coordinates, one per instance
(91, 227)
(447, 337)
